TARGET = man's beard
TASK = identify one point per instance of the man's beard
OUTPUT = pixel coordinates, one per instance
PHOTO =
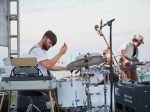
(45, 46)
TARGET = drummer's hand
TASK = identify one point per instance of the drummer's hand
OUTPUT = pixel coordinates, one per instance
(63, 49)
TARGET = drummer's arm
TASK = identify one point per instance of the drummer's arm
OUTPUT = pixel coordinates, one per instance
(50, 63)
(47, 64)
(59, 68)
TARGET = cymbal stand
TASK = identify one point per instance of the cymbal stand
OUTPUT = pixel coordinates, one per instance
(87, 90)
(30, 107)
(105, 106)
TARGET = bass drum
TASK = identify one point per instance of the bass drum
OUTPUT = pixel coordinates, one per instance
(71, 93)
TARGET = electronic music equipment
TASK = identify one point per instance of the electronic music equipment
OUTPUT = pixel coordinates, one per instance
(27, 83)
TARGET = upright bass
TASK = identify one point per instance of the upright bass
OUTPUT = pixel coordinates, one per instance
(107, 49)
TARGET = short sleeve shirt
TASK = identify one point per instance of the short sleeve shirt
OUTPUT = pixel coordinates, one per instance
(128, 49)
(41, 55)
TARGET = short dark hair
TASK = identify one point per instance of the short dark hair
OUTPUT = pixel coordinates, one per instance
(51, 36)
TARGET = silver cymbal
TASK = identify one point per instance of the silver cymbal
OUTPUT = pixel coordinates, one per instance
(87, 60)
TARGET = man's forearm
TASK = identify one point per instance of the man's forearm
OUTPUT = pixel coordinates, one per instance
(59, 68)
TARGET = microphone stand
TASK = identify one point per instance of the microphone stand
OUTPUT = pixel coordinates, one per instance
(111, 68)
(109, 23)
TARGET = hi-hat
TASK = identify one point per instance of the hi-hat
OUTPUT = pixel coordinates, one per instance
(87, 60)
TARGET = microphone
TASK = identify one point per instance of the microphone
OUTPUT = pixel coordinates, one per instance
(110, 21)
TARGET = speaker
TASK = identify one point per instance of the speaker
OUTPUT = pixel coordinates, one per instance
(132, 97)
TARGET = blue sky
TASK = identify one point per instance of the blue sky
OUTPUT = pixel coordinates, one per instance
(73, 22)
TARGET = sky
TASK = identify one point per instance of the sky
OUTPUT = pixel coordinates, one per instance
(73, 22)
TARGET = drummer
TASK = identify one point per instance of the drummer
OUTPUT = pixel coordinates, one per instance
(48, 40)
(45, 64)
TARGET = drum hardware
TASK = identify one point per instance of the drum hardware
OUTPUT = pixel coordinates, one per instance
(30, 107)
(33, 101)
(78, 71)
(89, 81)
(105, 106)
(91, 75)
(89, 104)
(87, 89)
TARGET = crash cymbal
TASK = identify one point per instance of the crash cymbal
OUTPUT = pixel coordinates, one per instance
(87, 60)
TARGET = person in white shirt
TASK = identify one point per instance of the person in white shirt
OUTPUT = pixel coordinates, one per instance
(48, 40)
(128, 53)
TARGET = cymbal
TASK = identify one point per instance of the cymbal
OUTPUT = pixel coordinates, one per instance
(87, 60)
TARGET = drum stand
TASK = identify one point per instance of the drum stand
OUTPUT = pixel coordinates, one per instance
(89, 105)
(30, 107)
(105, 107)
(87, 78)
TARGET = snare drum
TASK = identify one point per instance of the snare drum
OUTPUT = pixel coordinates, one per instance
(71, 93)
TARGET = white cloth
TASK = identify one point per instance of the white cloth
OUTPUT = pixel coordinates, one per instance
(128, 49)
(41, 55)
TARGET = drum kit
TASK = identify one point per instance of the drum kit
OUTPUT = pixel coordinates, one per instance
(89, 91)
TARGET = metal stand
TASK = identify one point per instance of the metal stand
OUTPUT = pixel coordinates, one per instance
(30, 107)
(111, 68)
(89, 104)
(105, 106)
(2, 99)
(109, 23)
